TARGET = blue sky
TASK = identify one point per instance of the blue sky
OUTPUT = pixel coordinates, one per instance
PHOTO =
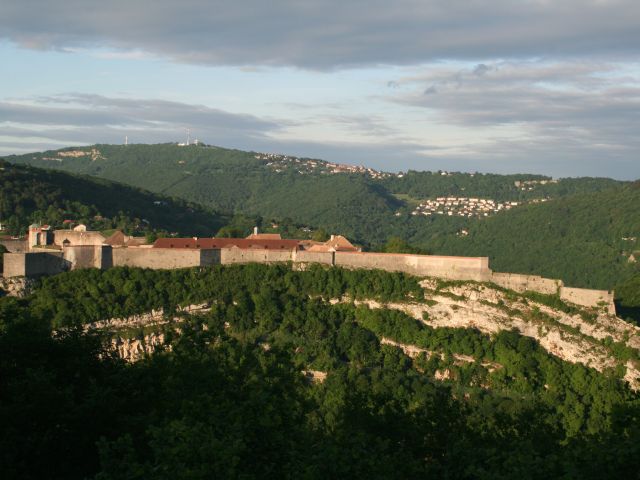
(501, 86)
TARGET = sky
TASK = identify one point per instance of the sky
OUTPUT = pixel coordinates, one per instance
(502, 86)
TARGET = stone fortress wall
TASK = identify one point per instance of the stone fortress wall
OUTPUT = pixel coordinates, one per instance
(445, 267)
(451, 268)
(33, 264)
(164, 258)
(521, 283)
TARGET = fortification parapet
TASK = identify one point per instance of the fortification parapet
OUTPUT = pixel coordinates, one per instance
(33, 264)
(258, 255)
(87, 256)
(522, 283)
(589, 298)
(164, 258)
(303, 256)
(452, 268)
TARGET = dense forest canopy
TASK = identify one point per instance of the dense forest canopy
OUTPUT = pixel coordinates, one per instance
(29, 195)
(588, 240)
(228, 398)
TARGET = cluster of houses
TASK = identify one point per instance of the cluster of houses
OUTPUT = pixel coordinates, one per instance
(529, 185)
(462, 207)
(94, 153)
(282, 163)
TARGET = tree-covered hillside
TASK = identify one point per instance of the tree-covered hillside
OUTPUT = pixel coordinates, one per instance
(354, 204)
(227, 396)
(520, 187)
(30, 195)
(235, 181)
(587, 240)
(575, 234)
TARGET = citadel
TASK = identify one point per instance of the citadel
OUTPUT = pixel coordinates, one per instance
(48, 252)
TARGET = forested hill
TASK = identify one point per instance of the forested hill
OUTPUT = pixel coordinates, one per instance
(355, 201)
(589, 240)
(234, 181)
(571, 229)
(30, 195)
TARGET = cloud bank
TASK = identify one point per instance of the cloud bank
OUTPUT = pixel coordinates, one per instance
(83, 119)
(328, 34)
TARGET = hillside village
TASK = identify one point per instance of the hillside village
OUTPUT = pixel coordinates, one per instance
(281, 163)
(462, 207)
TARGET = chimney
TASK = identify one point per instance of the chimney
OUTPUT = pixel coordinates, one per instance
(255, 230)
(333, 237)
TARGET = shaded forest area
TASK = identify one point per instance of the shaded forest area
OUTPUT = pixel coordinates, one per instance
(228, 399)
(29, 195)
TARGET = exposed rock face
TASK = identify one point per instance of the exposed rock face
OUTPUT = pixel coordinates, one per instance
(132, 348)
(154, 317)
(409, 350)
(315, 376)
(576, 338)
(569, 337)
(17, 286)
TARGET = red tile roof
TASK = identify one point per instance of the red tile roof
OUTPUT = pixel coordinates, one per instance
(243, 243)
(265, 236)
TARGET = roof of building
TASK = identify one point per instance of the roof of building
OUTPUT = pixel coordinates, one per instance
(118, 238)
(337, 243)
(244, 243)
(265, 236)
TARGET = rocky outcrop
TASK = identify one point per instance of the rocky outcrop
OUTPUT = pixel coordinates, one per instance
(17, 286)
(138, 335)
(132, 349)
(315, 376)
(154, 317)
(572, 338)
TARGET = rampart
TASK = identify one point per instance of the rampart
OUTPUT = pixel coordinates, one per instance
(452, 268)
(164, 258)
(258, 255)
(15, 246)
(588, 298)
(521, 283)
(73, 237)
(88, 256)
(302, 256)
(33, 264)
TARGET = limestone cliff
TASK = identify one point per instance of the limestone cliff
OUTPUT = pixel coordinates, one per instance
(585, 337)
(589, 336)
